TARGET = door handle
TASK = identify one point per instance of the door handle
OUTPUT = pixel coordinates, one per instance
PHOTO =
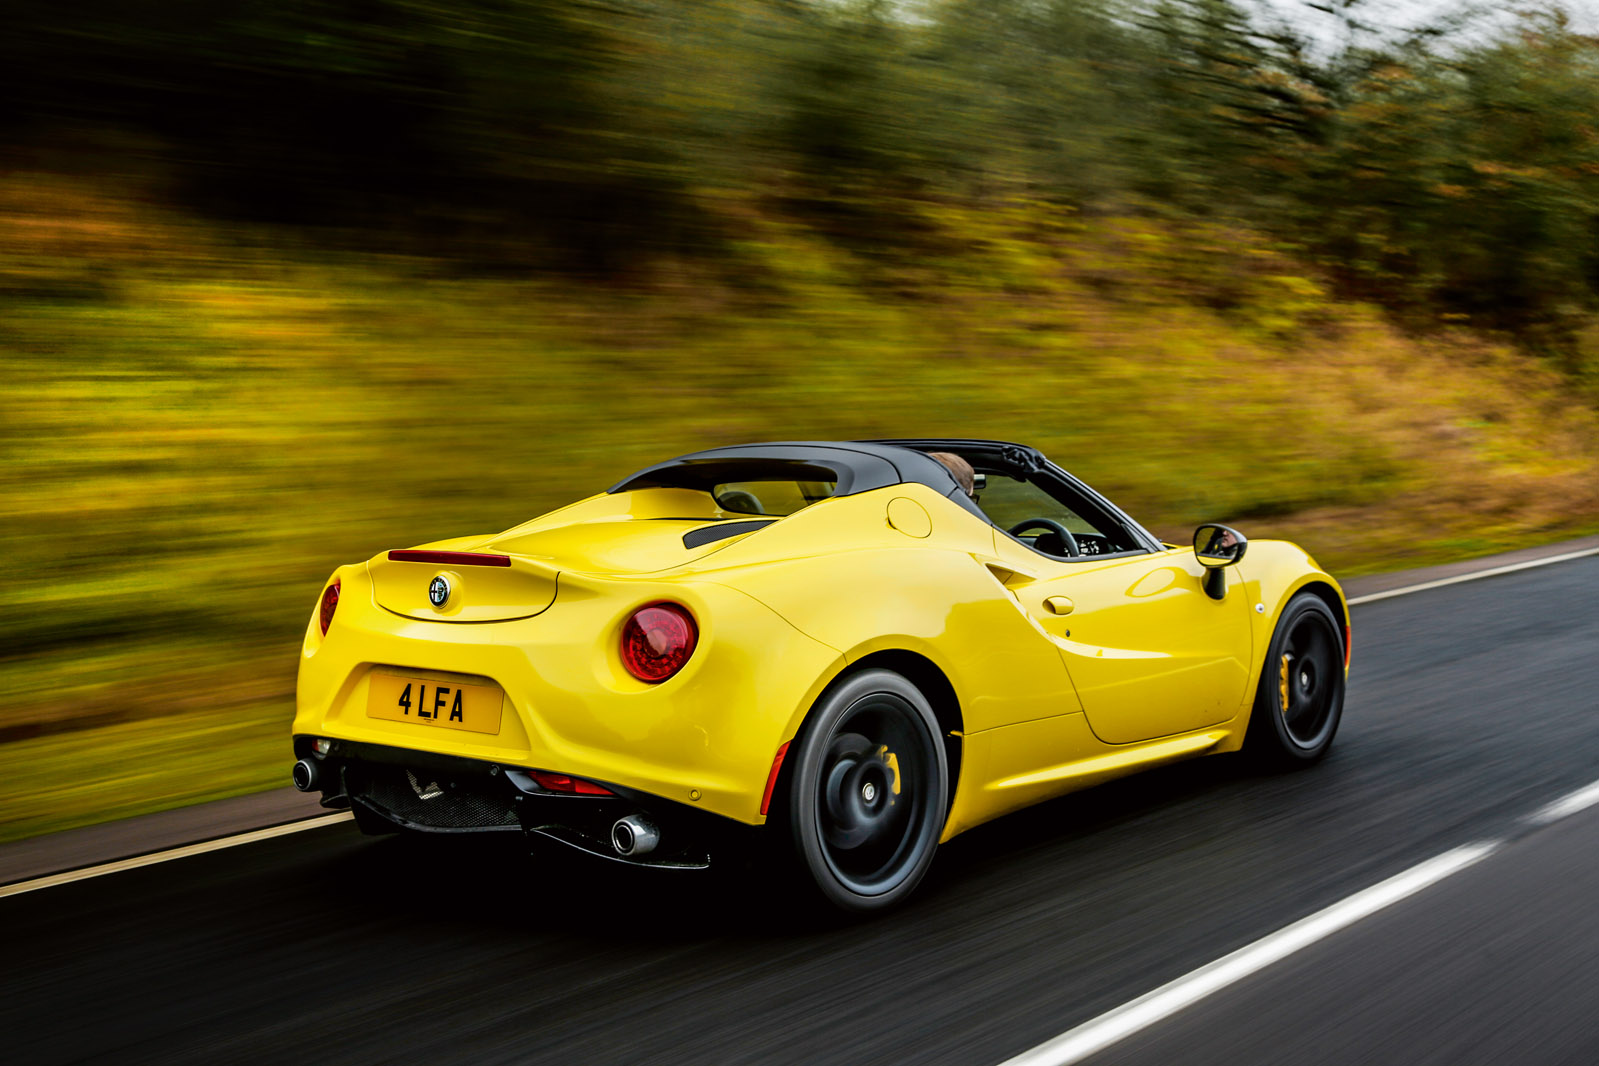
(1058, 605)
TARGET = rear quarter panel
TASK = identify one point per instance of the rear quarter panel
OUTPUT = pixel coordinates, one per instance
(860, 585)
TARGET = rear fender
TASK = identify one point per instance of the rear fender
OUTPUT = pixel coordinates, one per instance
(944, 606)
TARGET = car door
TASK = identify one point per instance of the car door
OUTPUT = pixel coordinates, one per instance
(1149, 652)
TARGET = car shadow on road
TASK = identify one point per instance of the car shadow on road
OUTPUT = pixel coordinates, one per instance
(766, 897)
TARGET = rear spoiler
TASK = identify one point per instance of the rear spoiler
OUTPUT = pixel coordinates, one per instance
(415, 555)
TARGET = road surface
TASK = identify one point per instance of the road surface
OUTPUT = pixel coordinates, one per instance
(1470, 706)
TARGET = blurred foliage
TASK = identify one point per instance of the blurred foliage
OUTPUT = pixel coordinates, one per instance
(198, 426)
(283, 285)
(1450, 171)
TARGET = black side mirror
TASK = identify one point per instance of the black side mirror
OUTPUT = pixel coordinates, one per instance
(1218, 547)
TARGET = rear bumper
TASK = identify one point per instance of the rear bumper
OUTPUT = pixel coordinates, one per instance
(703, 739)
(430, 793)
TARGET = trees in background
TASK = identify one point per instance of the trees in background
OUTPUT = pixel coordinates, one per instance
(1439, 172)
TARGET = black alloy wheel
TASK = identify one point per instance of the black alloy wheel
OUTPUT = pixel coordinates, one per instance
(869, 791)
(1301, 696)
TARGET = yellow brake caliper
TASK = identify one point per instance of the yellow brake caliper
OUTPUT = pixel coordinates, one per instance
(893, 764)
(1282, 684)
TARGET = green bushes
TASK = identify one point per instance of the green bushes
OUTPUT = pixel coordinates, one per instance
(1440, 175)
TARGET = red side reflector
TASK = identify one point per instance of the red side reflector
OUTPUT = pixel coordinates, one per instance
(771, 779)
(1347, 635)
(449, 558)
(575, 786)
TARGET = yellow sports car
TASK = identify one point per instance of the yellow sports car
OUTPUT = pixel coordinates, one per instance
(864, 647)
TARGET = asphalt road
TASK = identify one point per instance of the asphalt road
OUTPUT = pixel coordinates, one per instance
(1469, 707)
(1496, 965)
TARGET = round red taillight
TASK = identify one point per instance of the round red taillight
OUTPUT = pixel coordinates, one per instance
(658, 640)
(330, 603)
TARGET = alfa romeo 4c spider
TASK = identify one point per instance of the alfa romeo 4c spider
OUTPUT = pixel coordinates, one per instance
(845, 648)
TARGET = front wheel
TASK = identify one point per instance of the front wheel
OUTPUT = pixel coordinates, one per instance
(869, 791)
(1301, 696)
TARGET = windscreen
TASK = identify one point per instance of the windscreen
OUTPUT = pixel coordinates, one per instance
(1008, 501)
(1030, 512)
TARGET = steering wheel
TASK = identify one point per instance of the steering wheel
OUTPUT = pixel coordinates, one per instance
(1054, 527)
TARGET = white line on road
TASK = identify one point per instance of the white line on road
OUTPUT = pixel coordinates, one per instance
(1476, 575)
(1110, 1028)
(1566, 805)
(1077, 1044)
(172, 853)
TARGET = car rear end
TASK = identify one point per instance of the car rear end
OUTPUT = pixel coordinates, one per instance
(469, 691)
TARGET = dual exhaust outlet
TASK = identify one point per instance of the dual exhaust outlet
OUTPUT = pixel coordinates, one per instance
(631, 836)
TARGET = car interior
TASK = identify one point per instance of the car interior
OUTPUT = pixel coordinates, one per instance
(774, 496)
(1045, 514)
(1036, 505)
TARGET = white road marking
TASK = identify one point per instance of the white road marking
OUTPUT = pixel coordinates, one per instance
(1474, 576)
(1566, 805)
(1094, 1036)
(184, 852)
(1116, 1025)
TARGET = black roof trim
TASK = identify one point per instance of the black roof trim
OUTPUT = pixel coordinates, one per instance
(854, 467)
(859, 466)
(1009, 454)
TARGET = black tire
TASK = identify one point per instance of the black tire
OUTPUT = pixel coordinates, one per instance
(1300, 700)
(869, 791)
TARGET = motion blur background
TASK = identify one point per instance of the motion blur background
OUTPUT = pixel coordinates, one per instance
(283, 284)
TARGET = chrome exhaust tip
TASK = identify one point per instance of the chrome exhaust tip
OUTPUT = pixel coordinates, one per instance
(305, 775)
(633, 836)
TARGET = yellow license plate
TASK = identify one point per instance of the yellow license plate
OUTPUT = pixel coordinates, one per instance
(475, 708)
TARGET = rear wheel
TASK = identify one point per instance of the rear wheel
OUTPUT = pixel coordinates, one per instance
(1301, 696)
(869, 791)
